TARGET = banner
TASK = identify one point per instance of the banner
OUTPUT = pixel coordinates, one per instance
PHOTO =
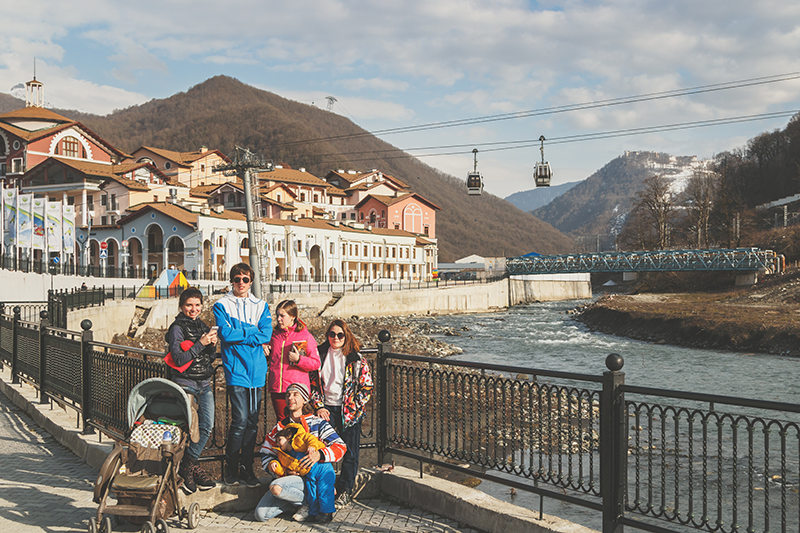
(24, 220)
(10, 216)
(54, 232)
(69, 229)
(38, 223)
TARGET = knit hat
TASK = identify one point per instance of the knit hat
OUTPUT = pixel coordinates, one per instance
(299, 387)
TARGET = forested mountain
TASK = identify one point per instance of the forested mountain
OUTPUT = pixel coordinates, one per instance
(535, 198)
(223, 112)
(598, 204)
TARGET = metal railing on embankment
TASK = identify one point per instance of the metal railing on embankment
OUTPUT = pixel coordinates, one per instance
(672, 463)
(658, 460)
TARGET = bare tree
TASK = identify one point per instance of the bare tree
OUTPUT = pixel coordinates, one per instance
(700, 199)
(657, 204)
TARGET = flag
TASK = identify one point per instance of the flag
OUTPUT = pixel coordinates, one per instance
(54, 233)
(38, 223)
(69, 229)
(10, 216)
(24, 220)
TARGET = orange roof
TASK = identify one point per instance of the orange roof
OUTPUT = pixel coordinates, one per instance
(289, 175)
(391, 200)
(181, 158)
(34, 113)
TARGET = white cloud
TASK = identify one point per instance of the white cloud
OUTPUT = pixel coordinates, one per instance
(378, 84)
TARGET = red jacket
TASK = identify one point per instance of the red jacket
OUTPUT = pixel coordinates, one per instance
(281, 372)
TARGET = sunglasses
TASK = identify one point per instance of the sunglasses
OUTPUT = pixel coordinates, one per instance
(334, 335)
(240, 279)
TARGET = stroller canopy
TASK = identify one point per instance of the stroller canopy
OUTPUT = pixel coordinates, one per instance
(143, 394)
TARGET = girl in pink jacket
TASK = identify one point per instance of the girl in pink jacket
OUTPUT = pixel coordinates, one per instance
(292, 355)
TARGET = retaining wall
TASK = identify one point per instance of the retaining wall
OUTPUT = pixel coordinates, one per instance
(549, 287)
(30, 287)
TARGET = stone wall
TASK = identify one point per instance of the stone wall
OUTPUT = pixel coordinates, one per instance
(549, 287)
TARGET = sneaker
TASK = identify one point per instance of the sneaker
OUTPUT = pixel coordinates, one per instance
(343, 500)
(248, 477)
(301, 515)
(230, 476)
(201, 479)
(186, 471)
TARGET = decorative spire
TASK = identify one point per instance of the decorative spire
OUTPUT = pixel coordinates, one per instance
(34, 91)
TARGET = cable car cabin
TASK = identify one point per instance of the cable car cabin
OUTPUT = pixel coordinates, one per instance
(542, 174)
(474, 183)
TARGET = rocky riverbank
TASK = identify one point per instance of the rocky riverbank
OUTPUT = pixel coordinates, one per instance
(764, 318)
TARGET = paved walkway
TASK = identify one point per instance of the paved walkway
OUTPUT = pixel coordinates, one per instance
(44, 487)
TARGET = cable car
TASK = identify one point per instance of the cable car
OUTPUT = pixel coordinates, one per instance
(542, 171)
(474, 178)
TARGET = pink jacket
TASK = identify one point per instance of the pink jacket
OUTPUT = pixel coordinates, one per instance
(281, 373)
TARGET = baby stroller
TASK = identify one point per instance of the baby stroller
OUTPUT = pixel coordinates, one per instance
(161, 418)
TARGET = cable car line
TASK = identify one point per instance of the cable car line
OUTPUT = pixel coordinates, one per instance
(527, 143)
(701, 89)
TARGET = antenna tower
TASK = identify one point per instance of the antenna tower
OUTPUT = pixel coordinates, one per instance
(331, 100)
(243, 164)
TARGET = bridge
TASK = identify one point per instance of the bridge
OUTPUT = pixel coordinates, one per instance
(733, 260)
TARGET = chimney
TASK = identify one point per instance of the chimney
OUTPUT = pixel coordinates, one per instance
(219, 208)
(302, 169)
(203, 149)
(205, 211)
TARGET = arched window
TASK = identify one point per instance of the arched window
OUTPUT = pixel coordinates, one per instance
(279, 246)
(70, 147)
(232, 199)
(373, 216)
(412, 218)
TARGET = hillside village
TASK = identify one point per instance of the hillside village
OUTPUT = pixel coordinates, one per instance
(135, 214)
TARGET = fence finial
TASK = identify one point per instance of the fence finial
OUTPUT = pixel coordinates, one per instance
(384, 335)
(86, 324)
(614, 362)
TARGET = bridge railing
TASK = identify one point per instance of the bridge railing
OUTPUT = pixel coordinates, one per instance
(738, 259)
(671, 463)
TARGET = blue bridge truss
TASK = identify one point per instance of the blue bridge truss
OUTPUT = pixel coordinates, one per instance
(739, 259)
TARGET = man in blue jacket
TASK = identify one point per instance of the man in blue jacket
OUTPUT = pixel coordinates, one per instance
(245, 325)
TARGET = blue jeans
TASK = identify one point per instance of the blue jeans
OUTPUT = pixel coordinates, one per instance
(245, 406)
(352, 438)
(291, 497)
(320, 482)
(204, 396)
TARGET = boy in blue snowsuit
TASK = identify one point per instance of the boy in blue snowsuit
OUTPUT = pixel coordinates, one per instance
(245, 325)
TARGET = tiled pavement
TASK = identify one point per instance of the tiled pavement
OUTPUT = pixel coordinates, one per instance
(45, 488)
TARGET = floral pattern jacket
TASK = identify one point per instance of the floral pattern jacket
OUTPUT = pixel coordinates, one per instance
(357, 386)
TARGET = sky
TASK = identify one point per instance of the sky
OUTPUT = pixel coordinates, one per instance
(416, 62)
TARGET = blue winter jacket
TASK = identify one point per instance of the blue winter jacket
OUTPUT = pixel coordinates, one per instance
(245, 325)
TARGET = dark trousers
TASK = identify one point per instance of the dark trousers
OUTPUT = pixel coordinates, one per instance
(245, 406)
(352, 439)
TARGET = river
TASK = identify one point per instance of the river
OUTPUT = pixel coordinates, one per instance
(545, 336)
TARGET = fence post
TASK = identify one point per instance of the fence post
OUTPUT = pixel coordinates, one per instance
(43, 324)
(384, 348)
(613, 445)
(15, 344)
(86, 374)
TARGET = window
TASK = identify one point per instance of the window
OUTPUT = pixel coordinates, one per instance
(90, 201)
(383, 213)
(279, 197)
(232, 200)
(155, 197)
(167, 165)
(279, 246)
(316, 198)
(16, 164)
(70, 200)
(103, 220)
(299, 246)
(330, 200)
(302, 197)
(104, 200)
(113, 202)
(414, 253)
(352, 216)
(333, 249)
(344, 216)
(351, 249)
(394, 253)
(113, 219)
(396, 225)
(2, 169)
(425, 229)
(374, 251)
(202, 168)
(70, 146)
(366, 251)
(344, 249)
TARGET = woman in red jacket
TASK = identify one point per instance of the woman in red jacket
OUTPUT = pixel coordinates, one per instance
(292, 355)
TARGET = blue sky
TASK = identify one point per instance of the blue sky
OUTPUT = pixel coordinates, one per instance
(408, 62)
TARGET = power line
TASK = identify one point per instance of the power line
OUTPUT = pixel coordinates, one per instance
(701, 89)
(527, 143)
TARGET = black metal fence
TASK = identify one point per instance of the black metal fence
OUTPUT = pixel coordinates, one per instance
(658, 460)
(672, 462)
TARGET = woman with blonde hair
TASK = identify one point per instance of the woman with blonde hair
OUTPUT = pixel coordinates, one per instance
(292, 354)
(340, 396)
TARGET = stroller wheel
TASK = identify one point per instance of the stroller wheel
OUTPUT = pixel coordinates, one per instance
(161, 526)
(105, 525)
(92, 525)
(193, 516)
(147, 527)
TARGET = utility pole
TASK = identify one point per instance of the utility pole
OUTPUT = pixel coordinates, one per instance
(243, 164)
